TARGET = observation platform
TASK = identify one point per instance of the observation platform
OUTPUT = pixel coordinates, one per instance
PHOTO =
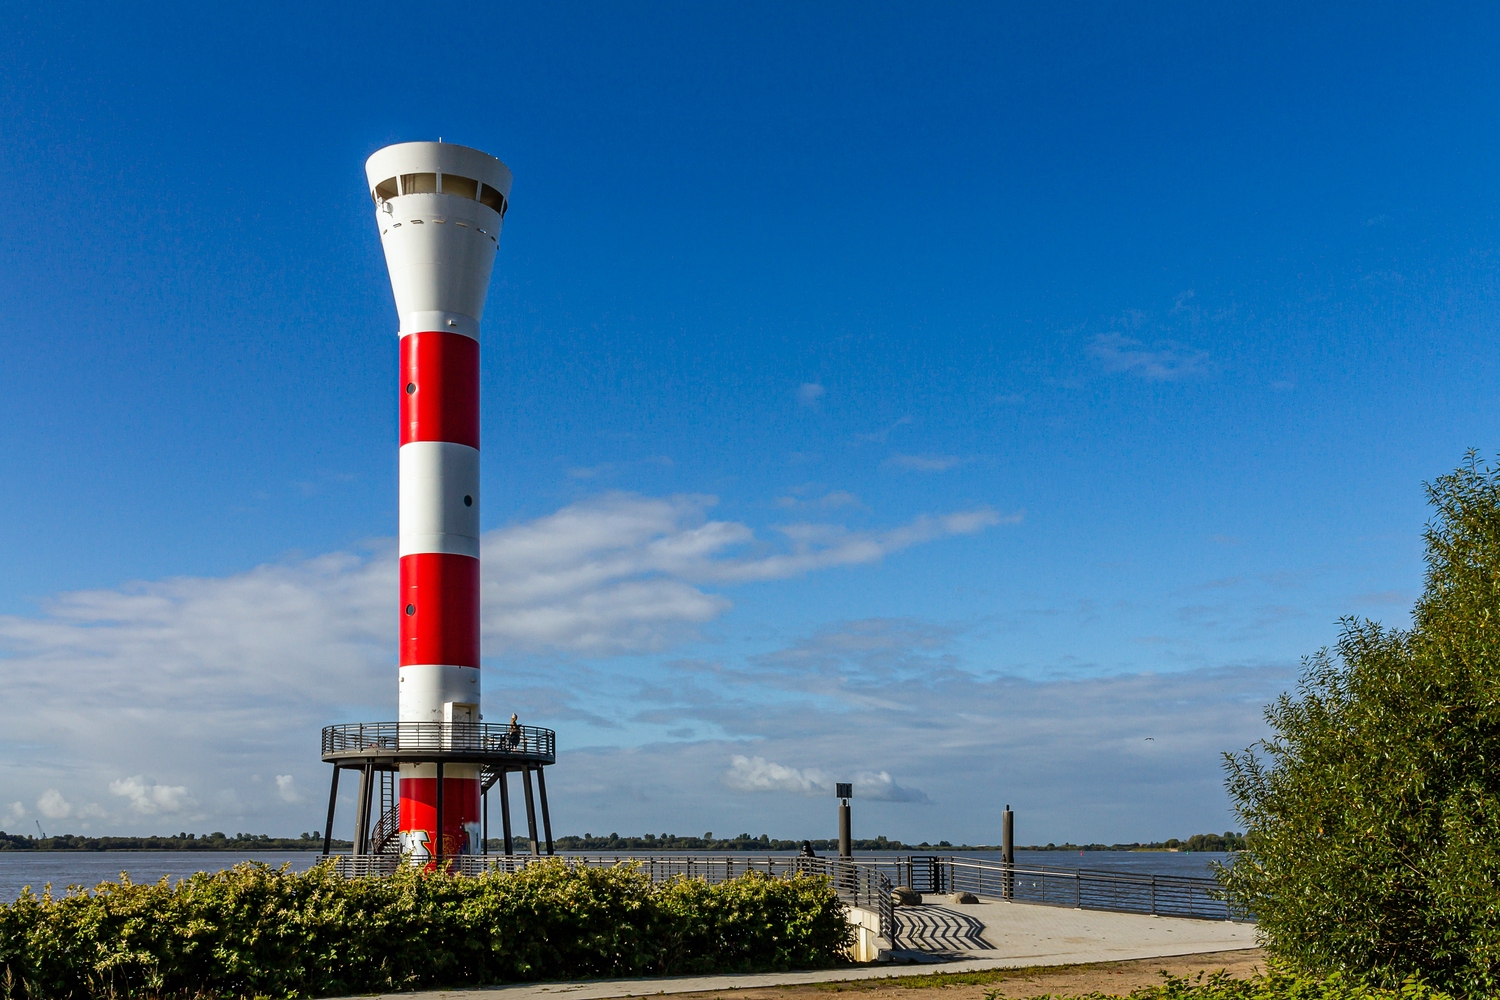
(378, 749)
(388, 744)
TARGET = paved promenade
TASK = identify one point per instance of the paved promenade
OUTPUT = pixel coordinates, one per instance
(954, 938)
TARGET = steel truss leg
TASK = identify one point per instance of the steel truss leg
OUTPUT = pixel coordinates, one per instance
(510, 845)
(541, 788)
(362, 810)
(530, 811)
(333, 800)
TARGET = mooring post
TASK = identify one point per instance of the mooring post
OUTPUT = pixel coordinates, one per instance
(541, 790)
(530, 811)
(333, 800)
(437, 850)
(510, 847)
(844, 791)
(1008, 852)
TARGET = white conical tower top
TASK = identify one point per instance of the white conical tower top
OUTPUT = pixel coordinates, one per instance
(439, 208)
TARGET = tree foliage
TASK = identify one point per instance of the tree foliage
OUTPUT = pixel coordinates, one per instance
(1373, 810)
(254, 931)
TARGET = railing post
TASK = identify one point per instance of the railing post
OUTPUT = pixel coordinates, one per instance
(1153, 896)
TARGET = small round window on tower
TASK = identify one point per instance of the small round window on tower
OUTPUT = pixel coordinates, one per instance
(411, 609)
(411, 387)
(468, 501)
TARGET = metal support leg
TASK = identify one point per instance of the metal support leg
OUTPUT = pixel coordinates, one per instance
(541, 790)
(437, 847)
(362, 811)
(333, 800)
(510, 846)
(530, 811)
(484, 811)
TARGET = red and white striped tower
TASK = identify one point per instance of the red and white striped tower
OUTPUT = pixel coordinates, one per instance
(439, 208)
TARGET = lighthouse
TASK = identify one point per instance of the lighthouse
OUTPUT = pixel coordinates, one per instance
(439, 209)
(425, 779)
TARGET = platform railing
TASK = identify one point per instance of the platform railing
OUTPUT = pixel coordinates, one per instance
(862, 885)
(529, 742)
(1080, 888)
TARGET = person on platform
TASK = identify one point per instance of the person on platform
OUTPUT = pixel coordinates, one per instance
(513, 735)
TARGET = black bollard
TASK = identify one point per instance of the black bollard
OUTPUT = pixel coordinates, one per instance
(1008, 852)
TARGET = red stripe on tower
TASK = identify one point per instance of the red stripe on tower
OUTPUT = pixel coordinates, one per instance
(439, 609)
(440, 388)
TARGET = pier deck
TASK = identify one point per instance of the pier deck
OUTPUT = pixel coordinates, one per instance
(951, 938)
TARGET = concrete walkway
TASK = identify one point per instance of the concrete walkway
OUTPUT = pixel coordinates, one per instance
(992, 935)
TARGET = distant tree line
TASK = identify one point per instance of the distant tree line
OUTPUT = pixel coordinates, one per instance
(216, 841)
(1228, 841)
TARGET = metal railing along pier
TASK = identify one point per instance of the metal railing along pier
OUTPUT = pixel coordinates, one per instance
(1080, 888)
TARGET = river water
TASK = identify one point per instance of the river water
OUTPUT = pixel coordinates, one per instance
(63, 868)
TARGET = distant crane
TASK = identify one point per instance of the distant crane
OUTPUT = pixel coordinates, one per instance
(39, 828)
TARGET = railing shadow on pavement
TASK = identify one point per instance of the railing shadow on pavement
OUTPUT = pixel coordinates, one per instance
(936, 929)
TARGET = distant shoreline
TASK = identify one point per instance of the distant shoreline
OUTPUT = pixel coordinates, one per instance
(218, 842)
(344, 845)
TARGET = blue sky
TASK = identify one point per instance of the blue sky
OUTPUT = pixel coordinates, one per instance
(950, 398)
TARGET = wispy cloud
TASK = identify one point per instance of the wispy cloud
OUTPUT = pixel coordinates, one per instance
(1162, 362)
(924, 463)
(190, 683)
(881, 435)
(810, 394)
(833, 500)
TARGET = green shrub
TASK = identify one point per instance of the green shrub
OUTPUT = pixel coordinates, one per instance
(1373, 811)
(257, 931)
(1278, 986)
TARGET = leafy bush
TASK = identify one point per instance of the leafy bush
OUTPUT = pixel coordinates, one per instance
(1373, 811)
(254, 931)
(1222, 986)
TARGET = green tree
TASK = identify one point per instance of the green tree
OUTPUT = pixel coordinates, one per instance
(1373, 810)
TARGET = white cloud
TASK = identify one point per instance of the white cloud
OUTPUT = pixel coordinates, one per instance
(150, 799)
(1165, 362)
(286, 788)
(52, 805)
(924, 463)
(15, 812)
(810, 393)
(881, 787)
(756, 774)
